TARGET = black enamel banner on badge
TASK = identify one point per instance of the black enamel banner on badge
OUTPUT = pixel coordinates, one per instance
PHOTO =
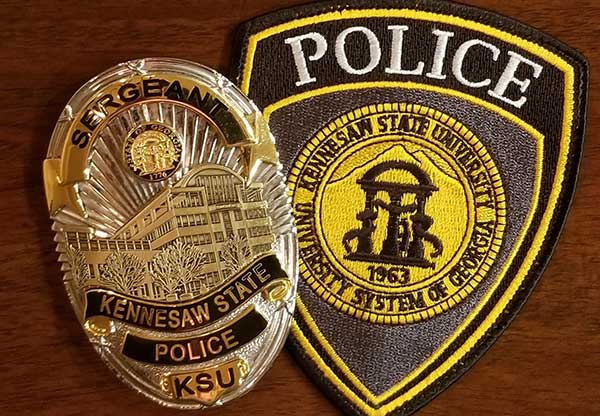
(197, 349)
(191, 316)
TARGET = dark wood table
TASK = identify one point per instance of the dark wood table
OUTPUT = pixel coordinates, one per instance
(546, 363)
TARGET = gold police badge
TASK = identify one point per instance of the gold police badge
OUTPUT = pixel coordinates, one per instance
(174, 230)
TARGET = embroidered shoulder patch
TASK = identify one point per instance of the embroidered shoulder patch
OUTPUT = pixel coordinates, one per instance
(431, 151)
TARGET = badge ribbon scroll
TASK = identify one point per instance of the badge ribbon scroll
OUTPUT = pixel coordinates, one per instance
(174, 230)
(431, 150)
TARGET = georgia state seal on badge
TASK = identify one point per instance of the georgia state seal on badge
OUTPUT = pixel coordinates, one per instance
(431, 150)
(174, 230)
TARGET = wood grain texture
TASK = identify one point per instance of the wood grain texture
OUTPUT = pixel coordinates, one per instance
(546, 363)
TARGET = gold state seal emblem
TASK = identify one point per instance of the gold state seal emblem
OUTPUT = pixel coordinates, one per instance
(153, 151)
(400, 212)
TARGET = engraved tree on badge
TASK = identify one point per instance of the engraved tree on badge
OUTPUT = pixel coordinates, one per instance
(80, 271)
(235, 253)
(177, 267)
(123, 272)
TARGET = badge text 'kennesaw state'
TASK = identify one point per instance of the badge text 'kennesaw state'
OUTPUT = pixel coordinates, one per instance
(510, 87)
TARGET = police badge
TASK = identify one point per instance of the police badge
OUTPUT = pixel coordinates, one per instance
(174, 230)
(430, 173)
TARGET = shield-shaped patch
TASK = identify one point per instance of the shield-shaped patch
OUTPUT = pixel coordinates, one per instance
(431, 151)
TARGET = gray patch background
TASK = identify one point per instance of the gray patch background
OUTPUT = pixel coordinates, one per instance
(381, 355)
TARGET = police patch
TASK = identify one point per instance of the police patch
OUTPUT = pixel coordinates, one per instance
(431, 151)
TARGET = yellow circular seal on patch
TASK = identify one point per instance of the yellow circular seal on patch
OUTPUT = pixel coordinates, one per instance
(400, 212)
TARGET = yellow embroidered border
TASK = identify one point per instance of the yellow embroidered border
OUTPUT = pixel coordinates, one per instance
(529, 46)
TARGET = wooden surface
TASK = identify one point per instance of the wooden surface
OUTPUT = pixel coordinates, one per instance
(546, 363)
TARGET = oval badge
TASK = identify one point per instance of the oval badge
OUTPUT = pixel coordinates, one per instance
(174, 230)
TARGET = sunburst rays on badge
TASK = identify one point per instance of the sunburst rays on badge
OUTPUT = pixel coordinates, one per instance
(110, 192)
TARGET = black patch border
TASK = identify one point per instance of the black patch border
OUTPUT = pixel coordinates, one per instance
(559, 216)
